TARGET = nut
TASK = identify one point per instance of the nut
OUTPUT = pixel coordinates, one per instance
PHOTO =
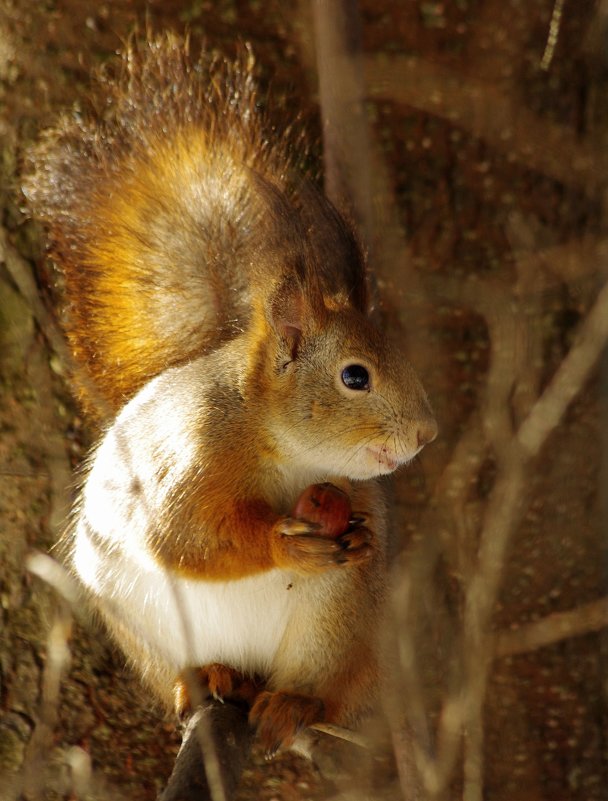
(327, 506)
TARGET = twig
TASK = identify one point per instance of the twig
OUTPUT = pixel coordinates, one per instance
(356, 177)
(486, 112)
(504, 510)
(453, 492)
(552, 629)
(33, 772)
(21, 273)
(529, 334)
(409, 760)
(54, 574)
(554, 26)
(387, 241)
(546, 270)
(343, 734)
(346, 142)
(203, 756)
(23, 277)
(225, 726)
(568, 380)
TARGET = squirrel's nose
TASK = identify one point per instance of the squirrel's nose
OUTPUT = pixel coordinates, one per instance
(427, 431)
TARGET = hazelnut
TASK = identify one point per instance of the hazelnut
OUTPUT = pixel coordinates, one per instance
(327, 506)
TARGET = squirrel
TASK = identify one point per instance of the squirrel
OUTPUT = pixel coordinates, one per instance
(218, 311)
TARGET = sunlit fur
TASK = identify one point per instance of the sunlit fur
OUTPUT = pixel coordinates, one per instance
(146, 494)
(214, 298)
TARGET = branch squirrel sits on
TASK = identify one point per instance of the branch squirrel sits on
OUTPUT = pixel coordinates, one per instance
(217, 308)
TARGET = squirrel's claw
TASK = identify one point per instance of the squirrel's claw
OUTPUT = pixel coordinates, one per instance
(355, 538)
(356, 546)
(219, 681)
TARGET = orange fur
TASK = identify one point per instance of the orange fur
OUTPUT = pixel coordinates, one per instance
(220, 681)
(110, 191)
(281, 716)
(216, 295)
(238, 538)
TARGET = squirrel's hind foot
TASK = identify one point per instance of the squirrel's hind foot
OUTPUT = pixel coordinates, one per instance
(281, 716)
(219, 681)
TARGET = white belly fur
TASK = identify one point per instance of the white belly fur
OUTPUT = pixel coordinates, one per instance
(186, 622)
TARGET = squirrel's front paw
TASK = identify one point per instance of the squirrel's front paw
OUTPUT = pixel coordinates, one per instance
(321, 532)
(356, 542)
(280, 716)
(298, 547)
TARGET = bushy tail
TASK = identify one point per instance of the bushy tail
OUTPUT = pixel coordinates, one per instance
(151, 212)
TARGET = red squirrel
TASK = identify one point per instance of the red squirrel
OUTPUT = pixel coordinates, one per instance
(217, 307)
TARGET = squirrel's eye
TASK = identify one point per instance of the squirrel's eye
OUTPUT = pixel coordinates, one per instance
(355, 376)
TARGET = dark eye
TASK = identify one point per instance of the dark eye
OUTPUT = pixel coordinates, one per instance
(355, 376)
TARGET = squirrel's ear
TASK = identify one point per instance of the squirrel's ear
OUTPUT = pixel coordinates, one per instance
(289, 314)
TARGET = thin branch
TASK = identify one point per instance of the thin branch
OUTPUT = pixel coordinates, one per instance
(554, 628)
(224, 728)
(545, 270)
(392, 261)
(340, 733)
(346, 140)
(483, 110)
(568, 380)
(55, 575)
(554, 26)
(33, 773)
(21, 272)
(505, 508)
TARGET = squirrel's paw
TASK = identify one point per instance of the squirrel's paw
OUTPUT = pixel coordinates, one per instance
(280, 716)
(294, 527)
(216, 680)
(298, 547)
(301, 548)
(356, 544)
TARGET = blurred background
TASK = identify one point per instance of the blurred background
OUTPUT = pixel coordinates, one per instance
(468, 138)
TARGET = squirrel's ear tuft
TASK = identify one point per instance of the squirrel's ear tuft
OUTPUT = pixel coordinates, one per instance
(289, 314)
(295, 310)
